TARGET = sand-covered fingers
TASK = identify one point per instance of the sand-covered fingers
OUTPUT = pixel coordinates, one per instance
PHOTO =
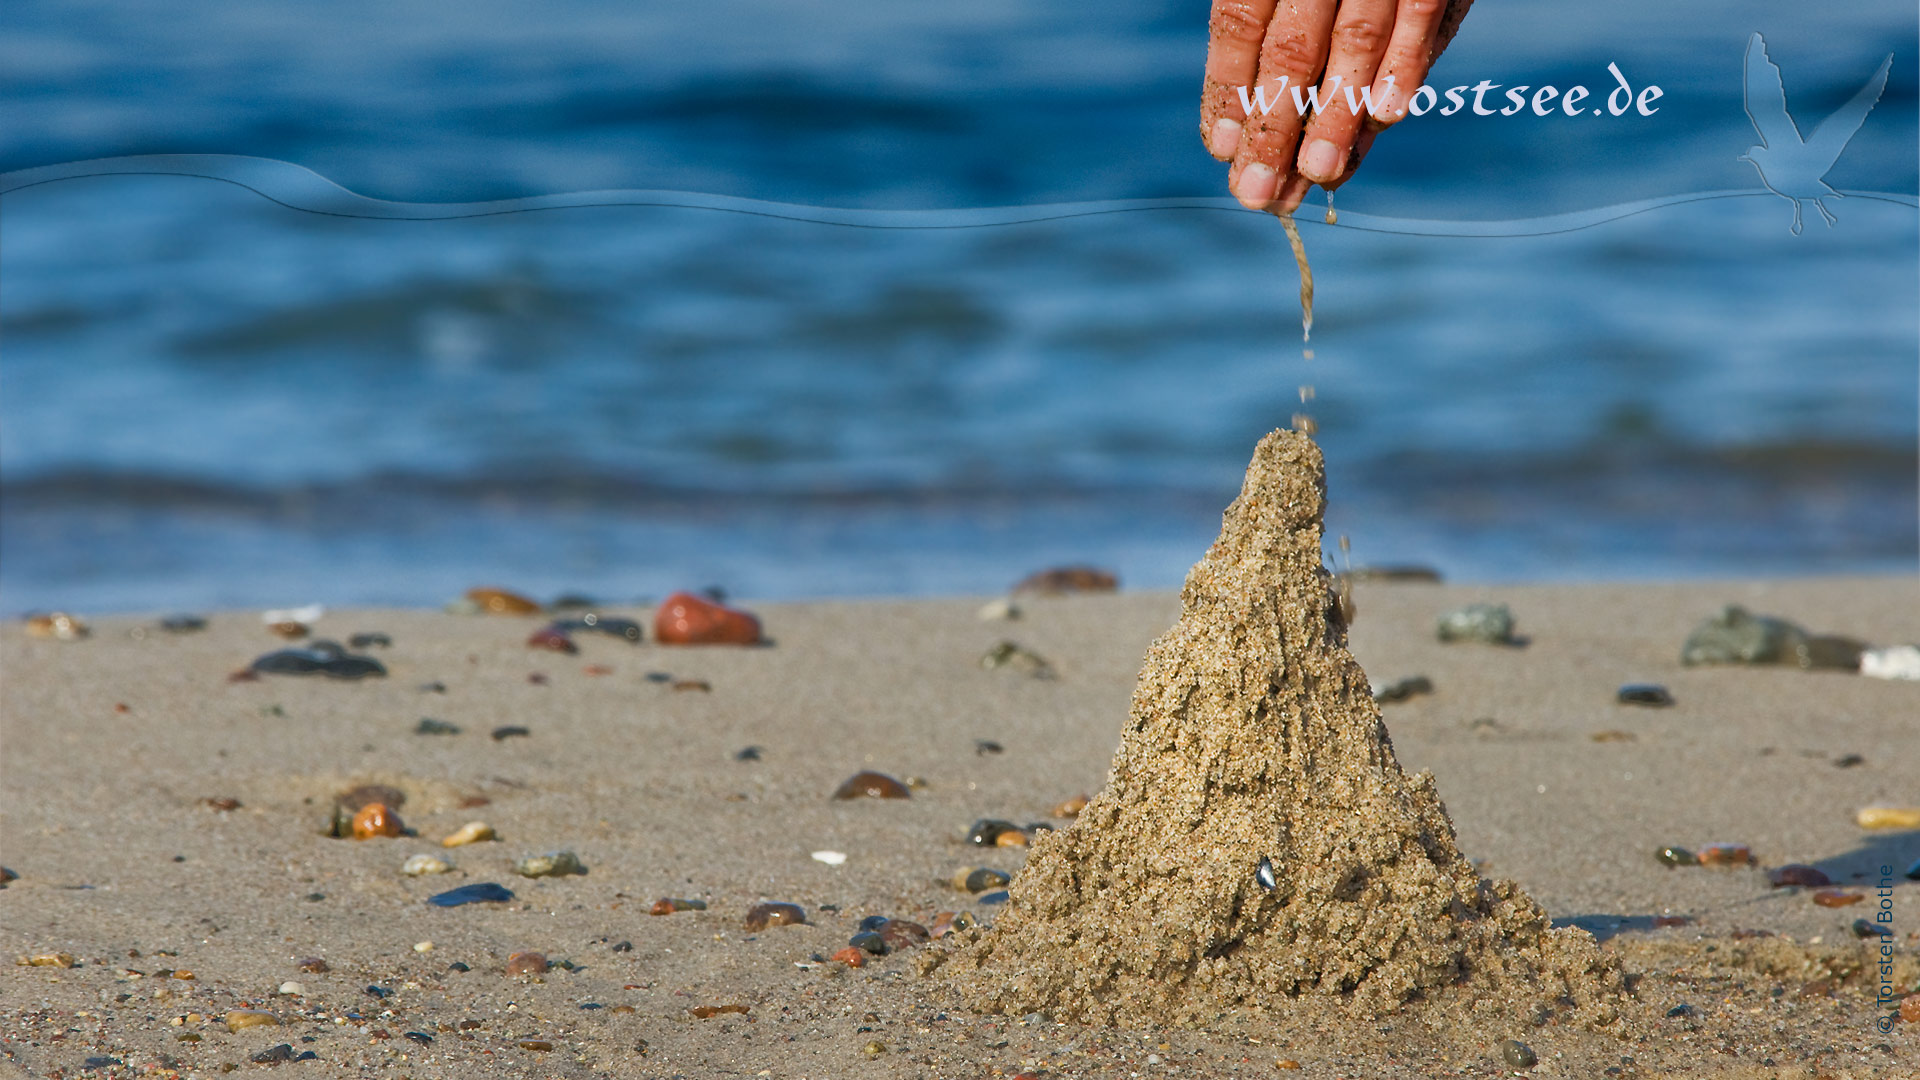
(1234, 35)
(1291, 59)
(1361, 32)
(1410, 53)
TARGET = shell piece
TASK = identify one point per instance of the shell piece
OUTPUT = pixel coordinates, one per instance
(774, 913)
(471, 833)
(419, 865)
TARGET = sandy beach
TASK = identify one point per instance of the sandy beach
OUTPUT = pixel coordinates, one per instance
(114, 744)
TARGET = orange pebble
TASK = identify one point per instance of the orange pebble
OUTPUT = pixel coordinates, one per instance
(850, 956)
(1072, 807)
(374, 819)
(1011, 838)
(685, 619)
(502, 602)
(1837, 898)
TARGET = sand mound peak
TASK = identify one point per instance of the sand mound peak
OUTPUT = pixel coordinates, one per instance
(1254, 745)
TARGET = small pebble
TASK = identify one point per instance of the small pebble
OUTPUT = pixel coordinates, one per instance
(183, 624)
(57, 625)
(761, 916)
(527, 963)
(273, 1055)
(46, 959)
(998, 610)
(1286, 1064)
(1518, 1055)
(420, 865)
(1403, 690)
(536, 1045)
(1737, 636)
(1848, 761)
(904, 934)
(999, 897)
(1726, 855)
(552, 864)
(874, 1048)
(701, 686)
(484, 892)
(318, 658)
(659, 677)
(874, 922)
(1682, 1009)
(420, 1037)
(667, 905)
(869, 941)
(471, 833)
(423, 946)
(708, 1012)
(831, 858)
(610, 625)
(1888, 817)
(7, 875)
(313, 965)
(510, 731)
(852, 956)
(1491, 624)
(750, 753)
(369, 641)
(242, 1019)
(1895, 662)
(292, 989)
(1016, 657)
(1263, 874)
(1016, 838)
(686, 619)
(289, 629)
(974, 879)
(1910, 1008)
(492, 601)
(429, 726)
(1676, 856)
(458, 966)
(1867, 928)
(871, 785)
(948, 922)
(987, 831)
(1913, 872)
(1797, 874)
(983, 747)
(375, 819)
(1837, 898)
(1072, 807)
(1612, 735)
(1060, 580)
(1650, 694)
(553, 639)
(221, 803)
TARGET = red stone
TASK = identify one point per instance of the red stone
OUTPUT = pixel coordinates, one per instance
(552, 637)
(685, 619)
(1797, 874)
(872, 785)
(850, 956)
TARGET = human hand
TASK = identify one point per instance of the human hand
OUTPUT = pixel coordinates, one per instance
(1272, 50)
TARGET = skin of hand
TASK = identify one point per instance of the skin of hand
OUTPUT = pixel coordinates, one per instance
(1281, 52)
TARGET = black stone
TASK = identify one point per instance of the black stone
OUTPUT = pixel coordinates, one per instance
(182, 624)
(984, 747)
(319, 658)
(1651, 694)
(987, 831)
(869, 941)
(429, 726)
(381, 992)
(368, 641)
(999, 897)
(273, 1055)
(508, 731)
(458, 966)
(874, 922)
(1866, 928)
(750, 753)
(420, 1037)
(1403, 690)
(984, 879)
(1682, 1009)
(624, 946)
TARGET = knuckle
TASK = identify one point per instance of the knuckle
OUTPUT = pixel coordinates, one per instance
(1291, 54)
(1238, 20)
(1364, 36)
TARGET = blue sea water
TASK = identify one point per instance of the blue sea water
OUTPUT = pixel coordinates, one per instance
(208, 399)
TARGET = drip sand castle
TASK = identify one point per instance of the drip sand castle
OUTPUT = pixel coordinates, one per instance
(1257, 846)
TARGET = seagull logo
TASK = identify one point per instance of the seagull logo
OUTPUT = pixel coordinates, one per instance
(1789, 165)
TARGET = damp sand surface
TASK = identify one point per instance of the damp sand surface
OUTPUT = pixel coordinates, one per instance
(117, 854)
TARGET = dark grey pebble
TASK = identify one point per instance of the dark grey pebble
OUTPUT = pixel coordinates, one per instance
(987, 831)
(1407, 573)
(420, 1037)
(623, 946)
(604, 624)
(1518, 1054)
(381, 992)
(1913, 872)
(1676, 856)
(369, 640)
(1644, 694)
(870, 942)
(307, 1055)
(659, 677)
(1867, 928)
(983, 879)
(316, 897)
(273, 1055)
(458, 966)
(105, 1062)
(434, 687)
(183, 624)
(984, 747)
(508, 731)
(320, 658)
(1682, 1009)
(750, 753)
(874, 922)
(1488, 623)
(1848, 761)
(572, 602)
(1264, 874)
(477, 893)
(1404, 689)
(999, 897)
(429, 726)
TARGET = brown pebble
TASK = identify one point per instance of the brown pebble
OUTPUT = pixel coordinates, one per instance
(596, 669)
(501, 602)
(1837, 898)
(47, 959)
(1612, 736)
(537, 678)
(553, 639)
(527, 963)
(57, 625)
(535, 1044)
(220, 802)
(1797, 874)
(313, 965)
(704, 1012)
(872, 785)
(900, 934)
(242, 1019)
(948, 922)
(850, 956)
(375, 819)
(122, 708)
(1072, 807)
(761, 916)
(1286, 1063)
(1726, 855)
(699, 685)
(686, 619)
(1011, 838)
(667, 905)
(1910, 1008)
(290, 630)
(365, 794)
(1058, 580)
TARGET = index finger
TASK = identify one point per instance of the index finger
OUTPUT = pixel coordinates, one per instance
(1234, 34)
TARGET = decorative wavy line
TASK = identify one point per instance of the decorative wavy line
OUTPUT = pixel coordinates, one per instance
(299, 188)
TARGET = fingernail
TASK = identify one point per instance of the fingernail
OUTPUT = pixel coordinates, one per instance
(1257, 185)
(1225, 139)
(1322, 161)
(1391, 105)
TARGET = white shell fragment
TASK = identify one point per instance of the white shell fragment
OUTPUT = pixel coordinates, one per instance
(308, 615)
(1892, 662)
(831, 858)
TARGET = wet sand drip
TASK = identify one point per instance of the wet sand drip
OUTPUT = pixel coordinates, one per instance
(1254, 742)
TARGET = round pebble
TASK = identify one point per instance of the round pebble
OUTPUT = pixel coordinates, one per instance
(762, 916)
(418, 865)
(975, 879)
(527, 963)
(1072, 807)
(852, 956)
(1518, 1055)
(904, 934)
(423, 946)
(871, 785)
(869, 941)
(471, 833)
(375, 819)
(987, 831)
